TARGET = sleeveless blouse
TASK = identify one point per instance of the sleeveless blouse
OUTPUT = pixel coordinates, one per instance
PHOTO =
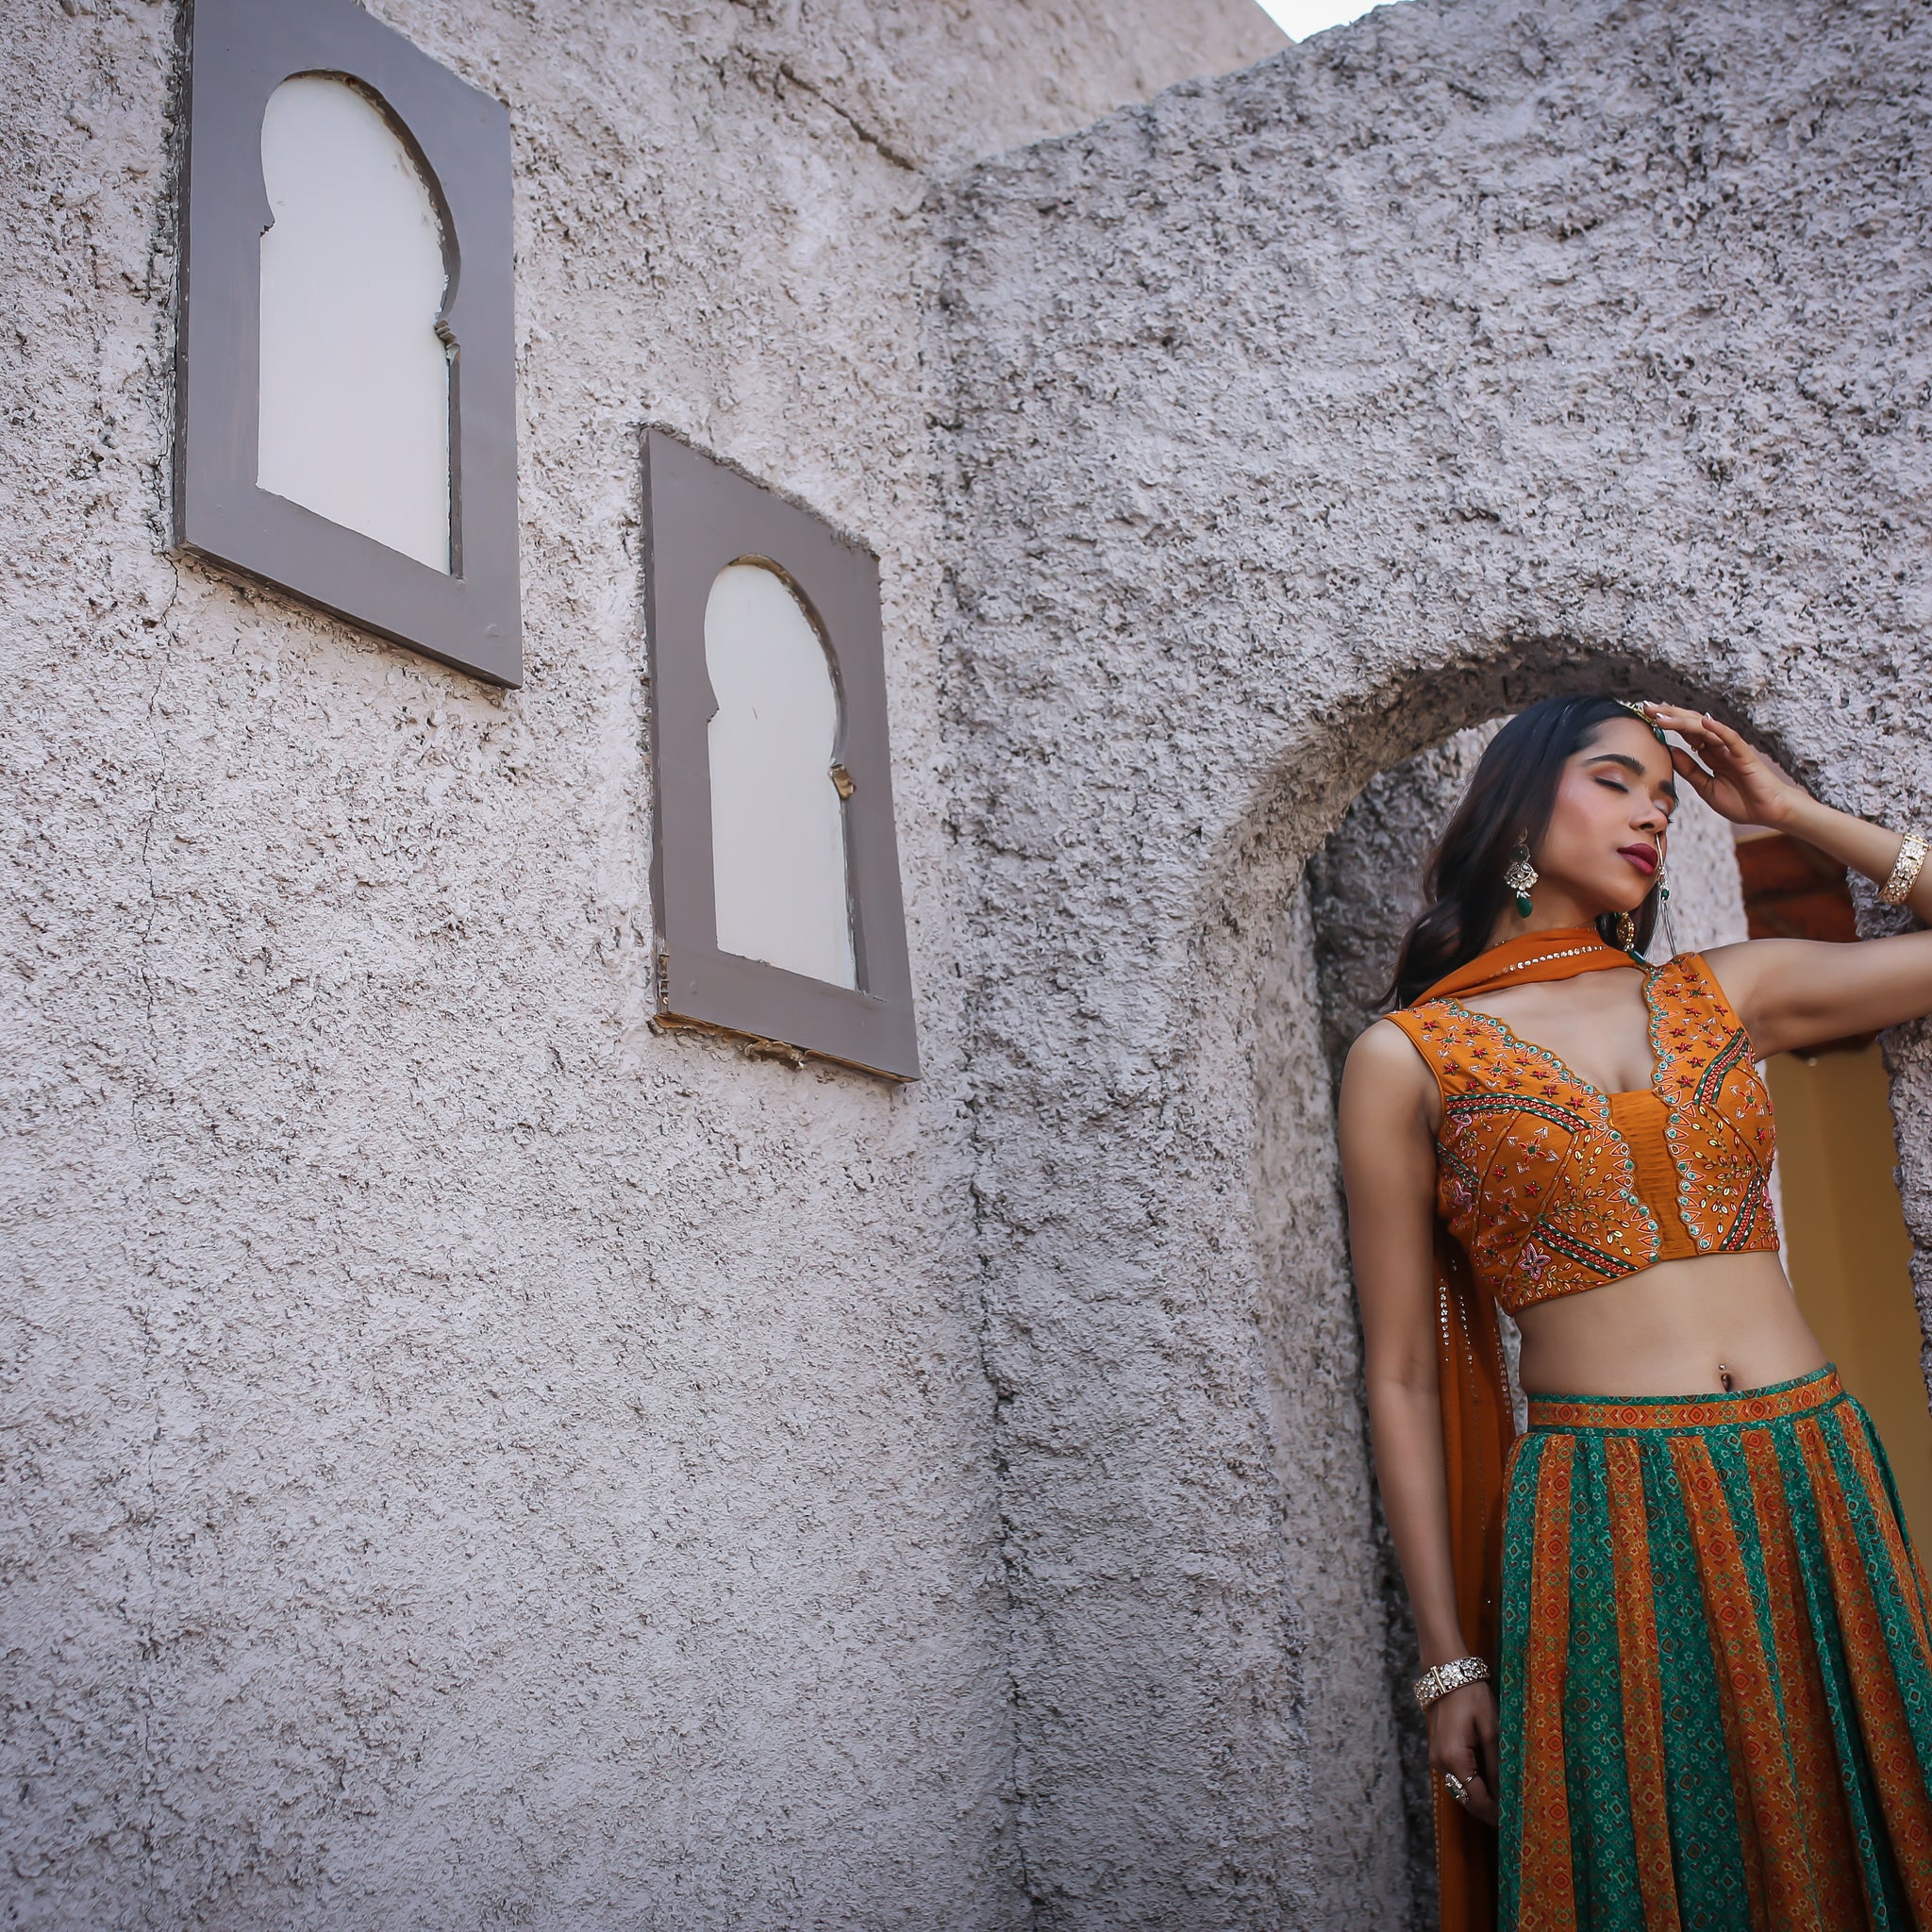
(1550, 1186)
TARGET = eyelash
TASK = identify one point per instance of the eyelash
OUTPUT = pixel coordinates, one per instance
(1618, 784)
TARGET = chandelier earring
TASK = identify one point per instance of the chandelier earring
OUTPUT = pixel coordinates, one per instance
(1626, 932)
(1520, 876)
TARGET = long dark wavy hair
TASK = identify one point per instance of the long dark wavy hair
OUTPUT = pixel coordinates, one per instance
(1508, 800)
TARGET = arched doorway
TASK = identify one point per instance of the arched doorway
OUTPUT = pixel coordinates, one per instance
(1326, 981)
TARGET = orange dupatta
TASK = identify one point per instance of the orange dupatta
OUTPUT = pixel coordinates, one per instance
(1479, 1424)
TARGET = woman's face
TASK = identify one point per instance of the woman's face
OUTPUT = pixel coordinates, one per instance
(1606, 836)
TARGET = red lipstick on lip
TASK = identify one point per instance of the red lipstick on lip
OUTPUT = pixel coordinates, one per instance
(1642, 857)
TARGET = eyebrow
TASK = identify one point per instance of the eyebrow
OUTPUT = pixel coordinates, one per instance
(1634, 766)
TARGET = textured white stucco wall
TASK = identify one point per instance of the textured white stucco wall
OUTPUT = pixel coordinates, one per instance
(1472, 352)
(474, 1462)
(469, 1461)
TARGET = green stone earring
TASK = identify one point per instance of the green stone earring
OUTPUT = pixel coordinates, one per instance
(1519, 876)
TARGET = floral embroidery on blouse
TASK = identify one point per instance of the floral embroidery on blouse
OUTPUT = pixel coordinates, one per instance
(1720, 1133)
(1534, 1181)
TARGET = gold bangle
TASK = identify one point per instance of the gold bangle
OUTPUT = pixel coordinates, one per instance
(1439, 1679)
(1904, 870)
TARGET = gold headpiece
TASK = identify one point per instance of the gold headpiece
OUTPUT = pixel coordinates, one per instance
(1635, 706)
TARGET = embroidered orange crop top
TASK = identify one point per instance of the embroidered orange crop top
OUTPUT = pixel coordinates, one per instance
(1550, 1186)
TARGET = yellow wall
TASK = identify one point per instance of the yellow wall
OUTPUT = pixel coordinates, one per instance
(1848, 1253)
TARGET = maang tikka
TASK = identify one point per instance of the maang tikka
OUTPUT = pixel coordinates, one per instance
(1520, 876)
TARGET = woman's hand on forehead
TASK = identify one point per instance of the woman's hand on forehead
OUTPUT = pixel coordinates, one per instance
(1735, 778)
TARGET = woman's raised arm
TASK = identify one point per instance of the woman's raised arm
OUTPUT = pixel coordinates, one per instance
(1794, 994)
(1389, 1166)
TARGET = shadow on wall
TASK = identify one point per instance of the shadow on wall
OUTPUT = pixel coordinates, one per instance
(1362, 892)
(1325, 980)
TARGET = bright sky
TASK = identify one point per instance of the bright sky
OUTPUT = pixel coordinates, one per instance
(1298, 19)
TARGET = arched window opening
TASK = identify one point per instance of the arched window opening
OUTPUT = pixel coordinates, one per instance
(355, 383)
(777, 820)
(1847, 1248)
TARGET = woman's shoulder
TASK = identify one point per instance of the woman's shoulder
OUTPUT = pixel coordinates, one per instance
(1739, 961)
(1387, 1033)
(1705, 973)
(1387, 1080)
(1392, 1047)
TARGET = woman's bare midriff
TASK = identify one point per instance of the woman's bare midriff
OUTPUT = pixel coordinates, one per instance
(1671, 1330)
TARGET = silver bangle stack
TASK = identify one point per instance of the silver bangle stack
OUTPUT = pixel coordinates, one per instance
(1904, 870)
(1439, 1679)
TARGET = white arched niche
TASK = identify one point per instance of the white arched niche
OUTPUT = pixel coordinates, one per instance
(777, 821)
(355, 375)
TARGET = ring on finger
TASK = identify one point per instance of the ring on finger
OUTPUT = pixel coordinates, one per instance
(1456, 1788)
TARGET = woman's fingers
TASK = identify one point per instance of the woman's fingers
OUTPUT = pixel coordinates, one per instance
(1462, 1742)
(1733, 779)
(1718, 757)
(1737, 780)
(1477, 1778)
(1738, 746)
(1713, 741)
(1686, 724)
(1478, 1801)
(1717, 744)
(1687, 768)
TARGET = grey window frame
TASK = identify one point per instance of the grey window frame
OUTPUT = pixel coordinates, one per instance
(240, 51)
(700, 516)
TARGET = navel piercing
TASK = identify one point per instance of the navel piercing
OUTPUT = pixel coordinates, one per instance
(1723, 1375)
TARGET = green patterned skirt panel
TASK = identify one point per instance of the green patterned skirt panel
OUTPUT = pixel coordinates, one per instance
(1716, 1678)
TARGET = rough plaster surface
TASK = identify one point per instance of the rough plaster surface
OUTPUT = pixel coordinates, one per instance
(1346, 1619)
(473, 1461)
(1297, 421)
(469, 1461)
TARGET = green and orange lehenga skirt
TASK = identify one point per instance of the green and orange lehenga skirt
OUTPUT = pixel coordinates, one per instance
(1716, 1670)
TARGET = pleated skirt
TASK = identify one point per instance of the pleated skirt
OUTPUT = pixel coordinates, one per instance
(1716, 1683)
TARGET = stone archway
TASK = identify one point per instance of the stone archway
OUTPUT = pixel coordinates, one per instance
(1202, 1631)
(1291, 424)
(1320, 981)
(1205, 1668)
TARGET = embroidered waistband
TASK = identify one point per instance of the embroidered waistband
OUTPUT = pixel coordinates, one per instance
(1773, 1402)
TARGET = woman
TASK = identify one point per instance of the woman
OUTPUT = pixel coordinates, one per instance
(1709, 1630)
